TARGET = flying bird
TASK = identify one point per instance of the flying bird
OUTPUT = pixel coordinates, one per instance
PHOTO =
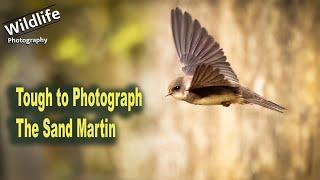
(208, 77)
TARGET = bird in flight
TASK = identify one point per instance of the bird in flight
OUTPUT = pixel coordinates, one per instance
(208, 77)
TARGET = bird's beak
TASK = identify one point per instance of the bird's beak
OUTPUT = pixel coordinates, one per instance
(169, 94)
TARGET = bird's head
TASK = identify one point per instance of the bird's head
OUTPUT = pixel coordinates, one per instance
(177, 88)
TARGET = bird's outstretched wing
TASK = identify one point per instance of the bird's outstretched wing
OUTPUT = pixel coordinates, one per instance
(199, 54)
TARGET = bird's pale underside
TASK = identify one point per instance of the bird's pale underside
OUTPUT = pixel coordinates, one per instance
(208, 78)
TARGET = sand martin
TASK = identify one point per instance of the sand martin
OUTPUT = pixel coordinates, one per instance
(208, 78)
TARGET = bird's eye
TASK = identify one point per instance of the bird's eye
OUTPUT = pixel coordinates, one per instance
(176, 88)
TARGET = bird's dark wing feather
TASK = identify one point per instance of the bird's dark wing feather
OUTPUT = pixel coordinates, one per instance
(207, 75)
(196, 47)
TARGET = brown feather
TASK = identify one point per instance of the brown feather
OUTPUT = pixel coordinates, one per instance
(254, 98)
(193, 43)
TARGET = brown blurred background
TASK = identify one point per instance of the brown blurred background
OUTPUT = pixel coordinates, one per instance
(273, 46)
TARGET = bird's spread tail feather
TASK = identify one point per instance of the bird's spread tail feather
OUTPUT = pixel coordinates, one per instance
(253, 98)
